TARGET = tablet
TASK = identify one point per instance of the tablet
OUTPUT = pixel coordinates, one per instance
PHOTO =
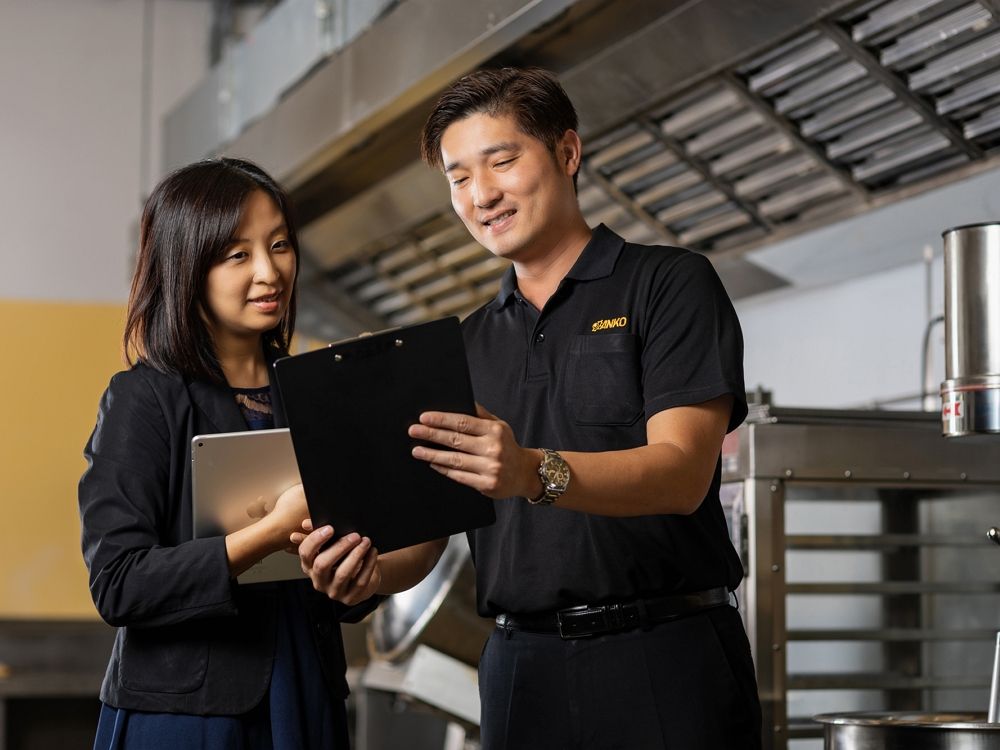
(349, 407)
(234, 476)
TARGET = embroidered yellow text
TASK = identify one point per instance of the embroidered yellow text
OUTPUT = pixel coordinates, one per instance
(609, 323)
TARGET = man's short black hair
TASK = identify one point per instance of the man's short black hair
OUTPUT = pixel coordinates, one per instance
(532, 96)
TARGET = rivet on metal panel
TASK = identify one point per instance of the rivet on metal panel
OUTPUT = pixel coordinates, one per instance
(777, 728)
(847, 474)
(775, 568)
(906, 475)
(788, 472)
(774, 488)
(776, 647)
(963, 476)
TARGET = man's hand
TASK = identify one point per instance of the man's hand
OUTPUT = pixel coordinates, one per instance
(479, 451)
(348, 570)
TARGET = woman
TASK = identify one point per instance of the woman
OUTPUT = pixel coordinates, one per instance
(200, 661)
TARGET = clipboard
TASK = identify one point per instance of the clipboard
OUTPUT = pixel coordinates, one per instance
(349, 406)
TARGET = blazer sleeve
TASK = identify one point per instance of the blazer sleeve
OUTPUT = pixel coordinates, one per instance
(142, 572)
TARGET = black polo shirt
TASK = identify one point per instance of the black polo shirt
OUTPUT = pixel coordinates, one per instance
(632, 330)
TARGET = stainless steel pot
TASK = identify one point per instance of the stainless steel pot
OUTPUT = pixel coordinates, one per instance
(439, 612)
(909, 731)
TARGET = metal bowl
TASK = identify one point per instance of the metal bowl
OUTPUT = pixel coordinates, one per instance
(908, 731)
(439, 612)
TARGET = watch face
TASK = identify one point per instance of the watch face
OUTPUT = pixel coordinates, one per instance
(555, 471)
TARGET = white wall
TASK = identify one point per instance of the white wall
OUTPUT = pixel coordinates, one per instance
(849, 330)
(71, 74)
(845, 344)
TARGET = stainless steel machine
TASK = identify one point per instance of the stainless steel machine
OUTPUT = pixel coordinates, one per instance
(420, 688)
(870, 584)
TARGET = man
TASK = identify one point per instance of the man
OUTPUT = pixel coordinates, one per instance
(614, 371)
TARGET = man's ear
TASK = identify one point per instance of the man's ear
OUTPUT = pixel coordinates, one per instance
(570, 151)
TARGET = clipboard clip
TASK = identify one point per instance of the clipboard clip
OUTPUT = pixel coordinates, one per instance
(397, 343)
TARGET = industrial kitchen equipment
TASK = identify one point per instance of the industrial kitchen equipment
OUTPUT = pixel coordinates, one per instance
(870, 583)
(970, 394)
(895, 731)
(424, 645)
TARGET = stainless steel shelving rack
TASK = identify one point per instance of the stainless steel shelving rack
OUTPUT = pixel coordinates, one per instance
(870, 581)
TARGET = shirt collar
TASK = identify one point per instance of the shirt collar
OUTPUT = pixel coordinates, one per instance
(599, 256)
(597, 261)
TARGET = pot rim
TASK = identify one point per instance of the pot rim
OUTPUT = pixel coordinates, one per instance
(939, 720)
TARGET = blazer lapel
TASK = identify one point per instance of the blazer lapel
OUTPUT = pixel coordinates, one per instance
(218, 404)
(277, 405)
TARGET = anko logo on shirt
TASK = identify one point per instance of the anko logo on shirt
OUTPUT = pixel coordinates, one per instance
(609, 323)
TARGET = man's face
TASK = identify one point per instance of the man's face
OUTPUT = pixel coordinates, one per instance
(515, 197)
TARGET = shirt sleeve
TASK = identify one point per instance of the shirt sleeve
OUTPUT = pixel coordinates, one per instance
(692, 349)
(139, 576)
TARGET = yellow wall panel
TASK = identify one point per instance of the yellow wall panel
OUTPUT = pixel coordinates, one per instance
(57, 362)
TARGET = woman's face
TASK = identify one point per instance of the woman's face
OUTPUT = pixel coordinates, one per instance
(247, 292)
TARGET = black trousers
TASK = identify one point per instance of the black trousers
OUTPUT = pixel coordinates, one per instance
(683, 685)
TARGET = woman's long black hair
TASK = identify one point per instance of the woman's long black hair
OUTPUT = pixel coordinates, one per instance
(186, 226)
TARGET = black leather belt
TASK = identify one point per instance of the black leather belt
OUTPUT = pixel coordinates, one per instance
(579, 622)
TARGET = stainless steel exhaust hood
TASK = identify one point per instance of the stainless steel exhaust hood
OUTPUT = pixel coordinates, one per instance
(717, 125)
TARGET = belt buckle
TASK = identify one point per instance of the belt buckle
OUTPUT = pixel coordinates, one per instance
(564, 625)
(607, 618)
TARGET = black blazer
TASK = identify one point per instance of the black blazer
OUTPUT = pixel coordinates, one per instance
(190, 639)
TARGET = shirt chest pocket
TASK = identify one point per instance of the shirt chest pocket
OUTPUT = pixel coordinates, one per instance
(603, 379)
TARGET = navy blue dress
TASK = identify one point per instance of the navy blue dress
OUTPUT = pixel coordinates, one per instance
(297, 712)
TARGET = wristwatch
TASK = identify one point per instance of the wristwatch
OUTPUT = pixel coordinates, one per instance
(554, 473)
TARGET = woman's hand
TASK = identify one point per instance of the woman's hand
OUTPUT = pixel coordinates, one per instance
(270, 532)
(348, 570)
(290, 510)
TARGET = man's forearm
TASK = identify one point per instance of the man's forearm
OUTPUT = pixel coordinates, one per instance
(671, 474)
(649, 480)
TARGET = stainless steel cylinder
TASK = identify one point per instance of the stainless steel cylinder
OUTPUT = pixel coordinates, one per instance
(970, 395)
(993, 715)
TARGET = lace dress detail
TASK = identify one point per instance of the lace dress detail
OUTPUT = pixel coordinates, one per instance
(255, 405)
